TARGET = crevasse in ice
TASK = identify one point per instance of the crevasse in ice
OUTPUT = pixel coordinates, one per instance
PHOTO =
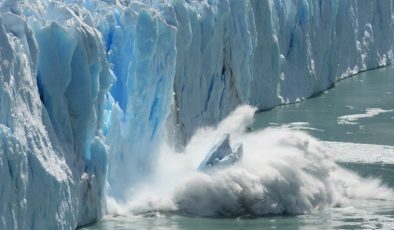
(89, 88)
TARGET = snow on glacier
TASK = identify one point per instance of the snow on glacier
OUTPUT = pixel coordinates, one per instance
(89, 85)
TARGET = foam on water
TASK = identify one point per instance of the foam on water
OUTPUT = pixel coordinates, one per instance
(283, 171)
(370, 112)
(361, 153)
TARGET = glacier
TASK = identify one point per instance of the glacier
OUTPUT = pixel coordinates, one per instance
(89, 88)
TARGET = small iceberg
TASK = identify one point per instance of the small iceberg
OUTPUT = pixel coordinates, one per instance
(222, 155)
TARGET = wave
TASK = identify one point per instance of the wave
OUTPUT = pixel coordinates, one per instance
(283, 171)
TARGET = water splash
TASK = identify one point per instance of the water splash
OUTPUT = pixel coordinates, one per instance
(283, 171)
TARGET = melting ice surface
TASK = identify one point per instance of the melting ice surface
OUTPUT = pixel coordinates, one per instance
(282, 172)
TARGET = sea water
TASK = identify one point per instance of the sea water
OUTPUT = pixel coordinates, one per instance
(355, 119)
(359, 109)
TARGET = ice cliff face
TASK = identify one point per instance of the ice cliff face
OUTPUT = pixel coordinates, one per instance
(173, 65)
(262, 53)
(267, 53)
(53, 77)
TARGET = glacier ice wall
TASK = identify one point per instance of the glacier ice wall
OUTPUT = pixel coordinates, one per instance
(267, 53)
(141, 47)
(53, 78)
(89, 85)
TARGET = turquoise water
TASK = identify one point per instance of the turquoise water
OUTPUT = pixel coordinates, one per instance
(358, 110)
(368, 90)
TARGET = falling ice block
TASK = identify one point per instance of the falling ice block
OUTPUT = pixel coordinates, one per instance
(222, 155)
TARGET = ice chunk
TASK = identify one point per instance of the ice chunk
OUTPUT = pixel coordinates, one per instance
(222, 155)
